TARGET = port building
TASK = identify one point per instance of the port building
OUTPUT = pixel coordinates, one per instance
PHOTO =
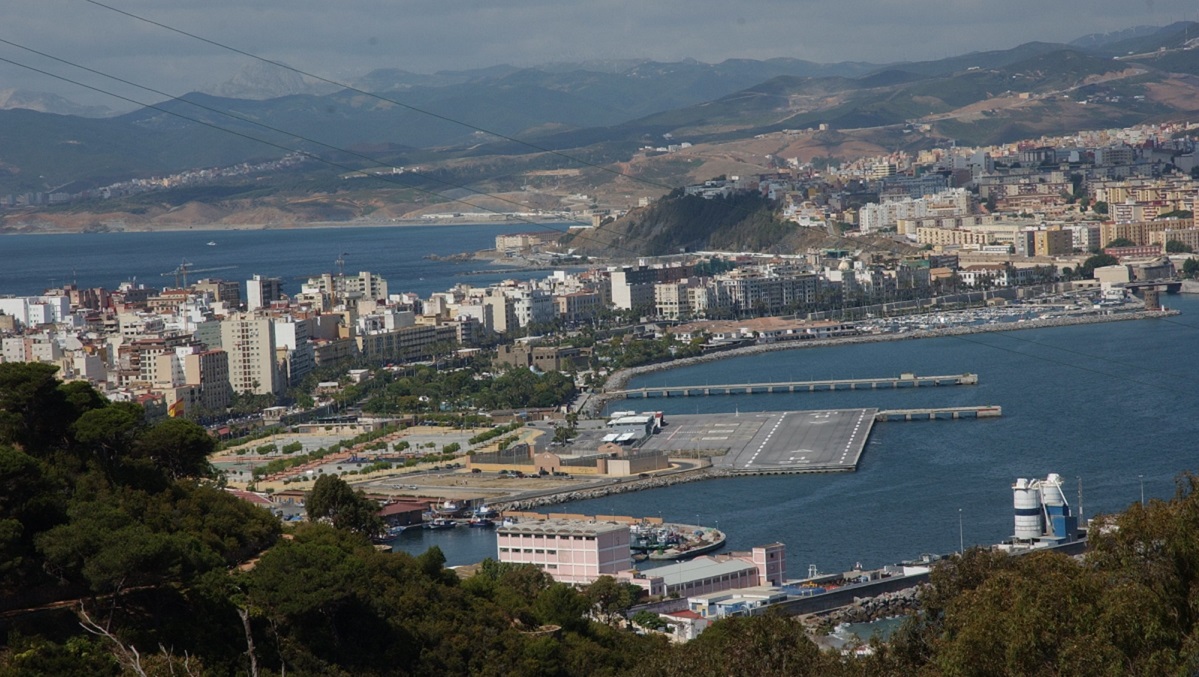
(610, 459)
(570, 551)
(709, 574)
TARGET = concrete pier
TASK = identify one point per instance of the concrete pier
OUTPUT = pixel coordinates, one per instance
(902, 381)
(939, 413)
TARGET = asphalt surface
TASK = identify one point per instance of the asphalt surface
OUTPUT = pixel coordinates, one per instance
(765, 441)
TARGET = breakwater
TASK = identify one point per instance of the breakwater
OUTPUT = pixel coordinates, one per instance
(620, 379)
(613, 489)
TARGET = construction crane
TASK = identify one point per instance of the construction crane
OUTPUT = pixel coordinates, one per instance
(185, 267)
(339, 285)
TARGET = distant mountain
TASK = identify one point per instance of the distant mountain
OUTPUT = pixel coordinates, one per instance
(605, 110)
(1096, 41)
(259, 80)
(1174, 36)
(43, 102)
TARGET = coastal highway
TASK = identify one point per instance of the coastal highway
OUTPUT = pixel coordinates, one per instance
(791, 441)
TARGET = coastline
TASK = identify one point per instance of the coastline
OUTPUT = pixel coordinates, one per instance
(49, 228)
(620, 379)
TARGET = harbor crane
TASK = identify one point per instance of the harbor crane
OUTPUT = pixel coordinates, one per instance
(185, 268)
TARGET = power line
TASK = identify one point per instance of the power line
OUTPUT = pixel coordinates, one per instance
(380, 97)
(1105, 358)
(308, 154)
(242, 118)
(1075, 366)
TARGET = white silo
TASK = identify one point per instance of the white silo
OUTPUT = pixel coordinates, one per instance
(1026, 499)
(1051, 490)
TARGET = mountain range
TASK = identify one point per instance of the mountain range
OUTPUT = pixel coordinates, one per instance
(467, 126)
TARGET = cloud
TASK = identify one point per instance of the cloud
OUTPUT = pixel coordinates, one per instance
(347, 39)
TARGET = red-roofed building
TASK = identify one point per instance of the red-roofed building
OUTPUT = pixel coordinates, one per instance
(684, 625)
(402, 513)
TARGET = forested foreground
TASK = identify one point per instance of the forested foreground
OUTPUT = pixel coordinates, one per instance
(120, 554)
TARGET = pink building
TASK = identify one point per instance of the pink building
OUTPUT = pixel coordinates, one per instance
(570, 551)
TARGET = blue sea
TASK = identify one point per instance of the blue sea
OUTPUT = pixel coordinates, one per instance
(32, 263)
(1111, 406)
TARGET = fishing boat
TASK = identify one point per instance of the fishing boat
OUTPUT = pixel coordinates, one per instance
(481, 522)
(440, 523)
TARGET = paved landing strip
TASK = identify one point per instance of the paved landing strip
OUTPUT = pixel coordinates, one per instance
(792, 441)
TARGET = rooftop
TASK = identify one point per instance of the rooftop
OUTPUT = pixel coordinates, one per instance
(698, 569)
(561, 527)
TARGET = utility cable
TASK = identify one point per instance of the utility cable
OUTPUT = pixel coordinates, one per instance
(380, 97)
(307, 154)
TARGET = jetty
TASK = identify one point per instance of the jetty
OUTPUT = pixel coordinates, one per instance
(939, 413)
(906, 380)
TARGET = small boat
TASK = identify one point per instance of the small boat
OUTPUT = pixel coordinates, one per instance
(481, 522)
(486, 511)
(212, 243)
(440, 523)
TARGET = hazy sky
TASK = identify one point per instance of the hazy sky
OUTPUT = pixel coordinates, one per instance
(345, 38)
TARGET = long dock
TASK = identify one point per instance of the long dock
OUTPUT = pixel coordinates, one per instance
(939, 413)
(901, 381)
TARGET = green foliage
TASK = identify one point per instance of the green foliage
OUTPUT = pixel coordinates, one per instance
(1120, 242)
(648, 620)
(1176, 247)
(1087, 269)
(495, 432)
(333, 500)
(1190, 268)
(422, 390)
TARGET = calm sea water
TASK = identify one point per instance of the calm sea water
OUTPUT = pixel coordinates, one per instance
(31, 263)
(1111, 404)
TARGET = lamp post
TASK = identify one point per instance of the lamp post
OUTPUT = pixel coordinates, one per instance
(961, 537)
(1142, 479)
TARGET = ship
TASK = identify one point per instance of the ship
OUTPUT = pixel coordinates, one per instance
(440, 523)
(481, 522)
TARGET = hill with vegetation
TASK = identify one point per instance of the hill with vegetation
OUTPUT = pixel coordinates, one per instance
(743, 222)
(121, 555)
(592, 120)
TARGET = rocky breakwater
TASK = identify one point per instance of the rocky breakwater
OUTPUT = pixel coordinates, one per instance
(620, 379)
(614, 488)
(867, 609)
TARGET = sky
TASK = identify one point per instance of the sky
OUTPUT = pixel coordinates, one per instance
(347, 38)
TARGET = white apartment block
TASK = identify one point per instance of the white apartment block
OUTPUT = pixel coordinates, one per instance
(950, 203)
(250, 342)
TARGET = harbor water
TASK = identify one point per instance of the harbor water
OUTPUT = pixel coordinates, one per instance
(1108, 405)
(1112, 405)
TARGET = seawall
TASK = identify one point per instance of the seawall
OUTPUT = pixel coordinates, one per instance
(620, 379)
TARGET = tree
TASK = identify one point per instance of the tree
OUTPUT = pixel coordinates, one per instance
(1120, 242)
(1100, 207)
(1087, 270)
(178, 447)
(648, 620)
(1190, 268)
(610, 599)
(110, 432)
(336, 502)
(1176, 247)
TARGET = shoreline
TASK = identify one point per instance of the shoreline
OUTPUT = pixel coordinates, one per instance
(620, 379)
(50, 229)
